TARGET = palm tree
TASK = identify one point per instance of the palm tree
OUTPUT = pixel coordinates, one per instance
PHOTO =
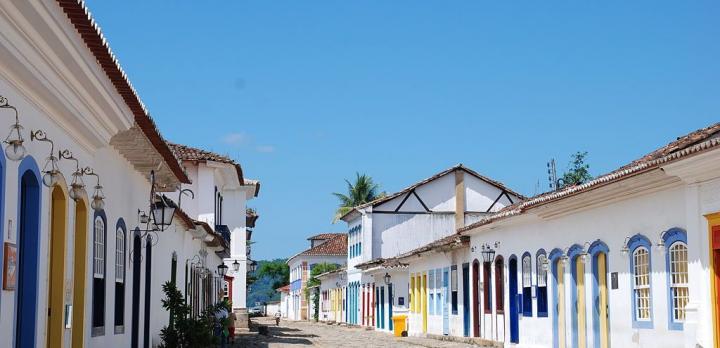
(362, 191)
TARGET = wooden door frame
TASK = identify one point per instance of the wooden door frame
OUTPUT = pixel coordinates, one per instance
(713, 220)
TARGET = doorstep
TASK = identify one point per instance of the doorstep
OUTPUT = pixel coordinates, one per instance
(467, 340)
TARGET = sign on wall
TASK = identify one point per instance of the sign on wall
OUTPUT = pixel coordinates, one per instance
(11, 267)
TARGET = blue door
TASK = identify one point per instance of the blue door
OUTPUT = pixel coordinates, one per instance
(382, 307)
(466, 298)
(377, 307)
(390, 305)
(514, 298)
(29, 241)
(445, 297)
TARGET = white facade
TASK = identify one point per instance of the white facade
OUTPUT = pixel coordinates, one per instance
(427, 211)
(55, 82)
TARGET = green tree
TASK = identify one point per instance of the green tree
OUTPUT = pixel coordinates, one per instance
(277, 269)
(363, 190)
(578, 171)
(314, 283)
(184, 331)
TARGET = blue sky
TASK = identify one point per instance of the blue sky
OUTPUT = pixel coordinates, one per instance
(304, 94)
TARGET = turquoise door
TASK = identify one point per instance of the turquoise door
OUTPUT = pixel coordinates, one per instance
(445, 297)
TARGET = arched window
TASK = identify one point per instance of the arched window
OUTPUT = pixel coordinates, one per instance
(98, 285)
(542, 266)
(641, 289)
(120, 252)
(487, 292)
(527, 285)
(499, 285)
(676, 262)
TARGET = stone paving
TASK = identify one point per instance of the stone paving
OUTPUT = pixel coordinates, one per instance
(298, 334)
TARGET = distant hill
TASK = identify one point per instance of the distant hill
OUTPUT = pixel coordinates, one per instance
(261, 290)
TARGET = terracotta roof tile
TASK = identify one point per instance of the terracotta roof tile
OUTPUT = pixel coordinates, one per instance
(80, 17)
(325, 235)
(693, 143)
(193, 154)
(335, 246)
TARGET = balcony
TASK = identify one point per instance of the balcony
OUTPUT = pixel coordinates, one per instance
(224, 231)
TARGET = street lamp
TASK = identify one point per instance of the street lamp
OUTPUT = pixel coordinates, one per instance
(252, 266)
(488, 252)
(14, 150)
(222, 269)
(387, 279)
(236, 266)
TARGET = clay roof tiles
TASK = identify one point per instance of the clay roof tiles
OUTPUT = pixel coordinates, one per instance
(193, 154)
(90, 32)
(334, 246)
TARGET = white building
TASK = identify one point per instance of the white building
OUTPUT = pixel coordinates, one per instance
(77, 273)
(625, 260)
(220, 200)
(394, 225)
(324, 248)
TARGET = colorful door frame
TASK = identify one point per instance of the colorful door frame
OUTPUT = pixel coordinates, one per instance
(714, 250)
(390, 306)
(513, 297)
(445, 298)
(598, 250)
(79, 275)
(56, 266)
(136, 261)
(466, 298)
(558, 287)
(28, 239)
(579, 317)
(476, 297)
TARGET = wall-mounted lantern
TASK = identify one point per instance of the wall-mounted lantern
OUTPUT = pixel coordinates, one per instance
(387, 279)
(236, 266)
(77, 186)
(15, 150)
(98, 197)
(222, 269)
(488, 252)
(51, 171)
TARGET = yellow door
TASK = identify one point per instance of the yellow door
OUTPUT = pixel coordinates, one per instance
(56, 305)
(581, 315)
(423, 299)
(602, 288)
(561, 303)
(81, 223)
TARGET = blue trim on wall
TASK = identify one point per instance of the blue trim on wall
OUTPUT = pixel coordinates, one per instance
(526, 294)
(542, 308)
(670, 237)
(514, 298)
(635, 242)
(28, 243)
(596, 248)
(431, 292)
(554, 256)
(573, 253)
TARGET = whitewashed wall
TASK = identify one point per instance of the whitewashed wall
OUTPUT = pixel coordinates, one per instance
(648, 215)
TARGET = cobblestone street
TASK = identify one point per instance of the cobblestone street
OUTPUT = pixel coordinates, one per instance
(298, 334)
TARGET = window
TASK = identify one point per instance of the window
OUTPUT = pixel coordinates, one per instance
(431, 291)
(487, 286)
(541, 293)
(527, 285)
(454, 289)
(120, 278)
(676, 263)
(439, 288)
(499, 285)
(641, 282)
(98, 284)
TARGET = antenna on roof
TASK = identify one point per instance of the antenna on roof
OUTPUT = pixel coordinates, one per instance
(555, 183)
